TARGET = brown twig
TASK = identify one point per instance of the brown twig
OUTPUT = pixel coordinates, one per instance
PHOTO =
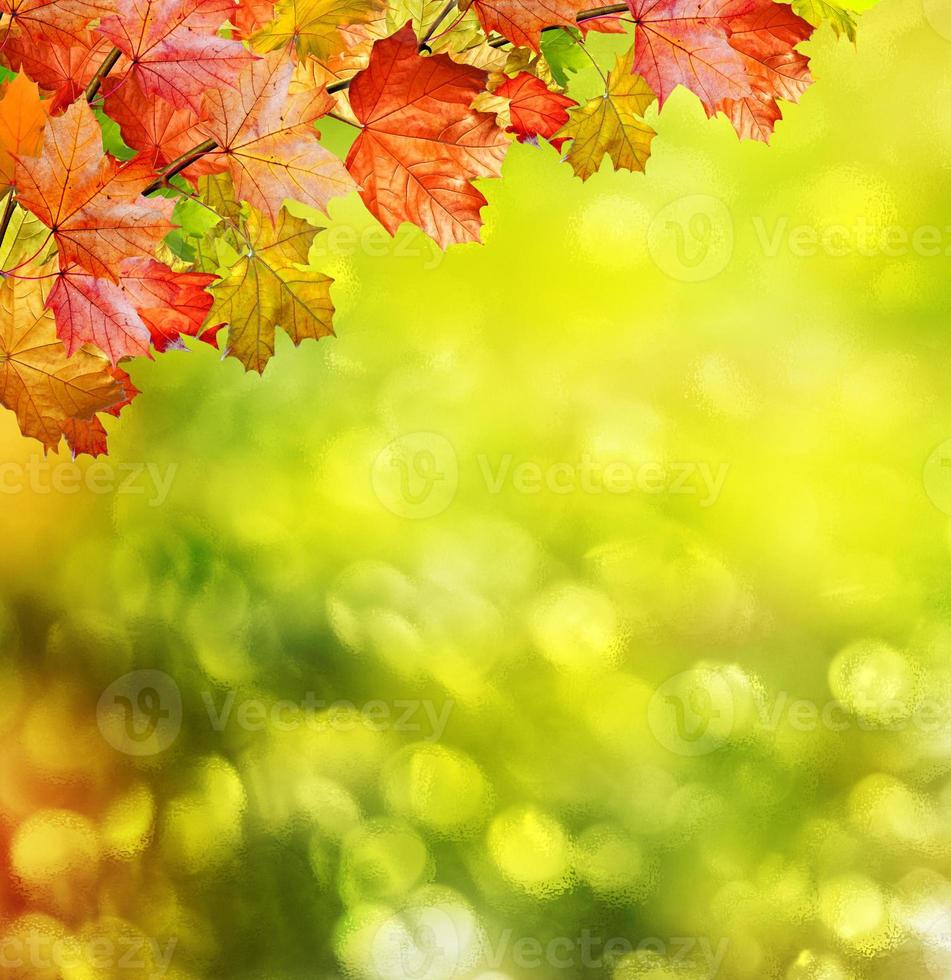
(182, 163)
(7, 215)
(110, 62)
(500, 42)
(443, 14)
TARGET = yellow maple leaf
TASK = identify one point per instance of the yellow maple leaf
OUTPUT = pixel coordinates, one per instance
(314, 26)
(44, 388)
(26, 239)
(612, 124)
(272, 285)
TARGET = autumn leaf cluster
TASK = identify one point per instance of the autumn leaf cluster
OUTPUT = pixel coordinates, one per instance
(148, 149)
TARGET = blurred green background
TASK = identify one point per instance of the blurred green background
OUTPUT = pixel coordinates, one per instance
(581, 610)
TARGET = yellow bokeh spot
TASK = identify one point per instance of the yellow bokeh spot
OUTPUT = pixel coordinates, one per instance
(575, 627)
(438, 787)
(531, 849)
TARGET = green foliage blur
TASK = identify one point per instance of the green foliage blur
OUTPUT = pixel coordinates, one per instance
(581, 610)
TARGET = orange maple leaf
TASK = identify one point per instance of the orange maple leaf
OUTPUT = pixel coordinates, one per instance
(90, 203)
(61, 64)
(38, 382)
(23, 115)
(766, 38)
(522, 21)
(687, 42)
(38, 18)
(266, 137)
(422, 144)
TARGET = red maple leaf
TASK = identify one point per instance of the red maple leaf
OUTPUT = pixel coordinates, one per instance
(687, 42)
(766, 38)
(171, 304)
(173, 49)
(154, 127)
(522, 21)
(150, 305)
(534, 109)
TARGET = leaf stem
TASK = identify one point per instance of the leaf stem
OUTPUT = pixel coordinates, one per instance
(343, 119)
(177, 166)
(108, 64)
(7, 215)
(597, 67)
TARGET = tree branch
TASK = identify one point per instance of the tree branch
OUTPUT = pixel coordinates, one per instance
(500, 42)
(182, 163)
(443, 14)
(110, 62)
(592, 14)
(187, 159)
